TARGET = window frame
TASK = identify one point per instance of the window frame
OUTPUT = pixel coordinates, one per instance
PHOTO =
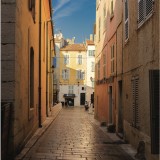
(145, 17)
(126, 20)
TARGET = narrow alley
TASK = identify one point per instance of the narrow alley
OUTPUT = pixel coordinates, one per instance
(75, 135)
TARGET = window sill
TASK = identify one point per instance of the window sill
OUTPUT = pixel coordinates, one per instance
(140, 25)
(111, 17)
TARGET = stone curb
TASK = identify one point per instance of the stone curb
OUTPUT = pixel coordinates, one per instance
(38, 134)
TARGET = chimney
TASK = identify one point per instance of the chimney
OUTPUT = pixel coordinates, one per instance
(91, 37)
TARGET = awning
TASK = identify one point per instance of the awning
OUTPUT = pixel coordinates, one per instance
(69, 95)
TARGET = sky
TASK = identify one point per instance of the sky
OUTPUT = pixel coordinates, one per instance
(74, 18)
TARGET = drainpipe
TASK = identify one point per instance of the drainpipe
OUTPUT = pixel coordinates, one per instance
(39, 113)
(51, 68)
(47, 66)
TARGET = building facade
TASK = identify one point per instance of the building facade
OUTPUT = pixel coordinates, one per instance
(141, 75)
(108, 61)
(90, 70)
(59, 43)
(127, 70)
(72, 70)
(26, 34)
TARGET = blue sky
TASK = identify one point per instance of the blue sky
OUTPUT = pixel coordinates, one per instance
(75, 18)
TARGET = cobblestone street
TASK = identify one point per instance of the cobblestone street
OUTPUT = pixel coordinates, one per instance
(73, 135)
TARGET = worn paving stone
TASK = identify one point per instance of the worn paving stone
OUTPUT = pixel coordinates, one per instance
(72, 136)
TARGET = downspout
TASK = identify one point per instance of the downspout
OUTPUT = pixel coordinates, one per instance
(47, 67)
(51, 67)
(39, 113)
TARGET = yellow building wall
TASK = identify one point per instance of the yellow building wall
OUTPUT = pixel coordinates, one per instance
(73, 66)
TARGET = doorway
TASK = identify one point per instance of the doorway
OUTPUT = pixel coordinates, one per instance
(82, 98)
(110, 106)
(120, 109)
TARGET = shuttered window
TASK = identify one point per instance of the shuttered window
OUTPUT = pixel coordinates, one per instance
(65, 74)
(70, 89)
(66, 59)
(104, 65)
(126, 20)
(99, 29)
(135, 100)
(92, 67)
(145, 9)
(98, 69)
(112, 59)
(80, 74)
(154, 110)
(79, 59)
(31, 82)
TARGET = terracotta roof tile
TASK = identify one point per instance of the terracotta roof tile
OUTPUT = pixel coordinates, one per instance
(74, 47)
(89, 42)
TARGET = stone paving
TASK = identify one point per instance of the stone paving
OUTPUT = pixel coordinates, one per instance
(72, 136)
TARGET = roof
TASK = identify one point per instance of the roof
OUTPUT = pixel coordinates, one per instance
(89, 42)
(74, 47)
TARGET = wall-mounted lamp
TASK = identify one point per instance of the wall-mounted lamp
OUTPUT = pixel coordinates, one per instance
(92, 79)
(78, 83)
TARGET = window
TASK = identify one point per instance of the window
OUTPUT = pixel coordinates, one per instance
(104, 65)
(92, 67)
(99, 29)
(104, 17)
(70, 89)
(65, 74)
(80, 74)
(126, 20)
(135, 99)
(66, 59)
(98, 69)
(145, 9)
(31, 82)
(79, 59)
(112, 59)
(112, 12)
(91, 52)
(31, 6)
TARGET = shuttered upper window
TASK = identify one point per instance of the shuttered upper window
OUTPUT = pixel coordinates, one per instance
(126, 20)
(112, 59)
(80, 74)
(65, 74)
(145, 9)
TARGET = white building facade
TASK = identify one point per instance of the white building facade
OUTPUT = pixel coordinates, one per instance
(90, 71)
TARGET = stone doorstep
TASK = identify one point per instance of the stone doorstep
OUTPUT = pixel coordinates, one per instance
(37, 135)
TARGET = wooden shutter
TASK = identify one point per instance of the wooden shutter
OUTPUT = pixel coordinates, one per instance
(135, 97)
(126, 20)
(154, 110)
